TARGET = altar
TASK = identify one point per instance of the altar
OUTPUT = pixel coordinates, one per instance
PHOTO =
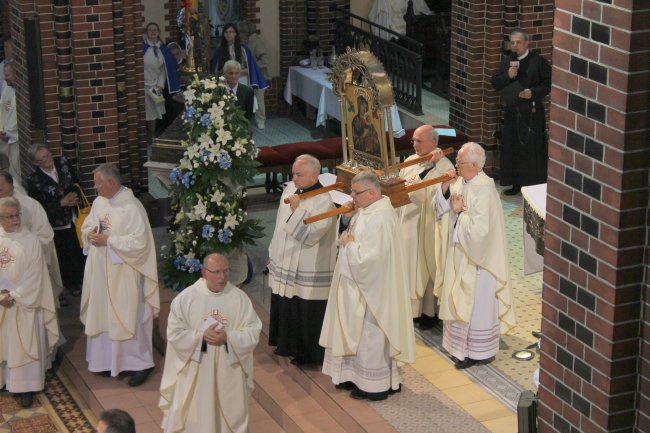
(534, 226)
(313, 87)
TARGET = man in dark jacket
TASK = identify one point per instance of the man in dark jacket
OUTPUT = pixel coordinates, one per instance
(524, 143)
(245, 94)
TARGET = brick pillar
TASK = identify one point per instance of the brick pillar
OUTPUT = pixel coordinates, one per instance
(171, 27)
(93, 83)
(593, 349)
(480, 31)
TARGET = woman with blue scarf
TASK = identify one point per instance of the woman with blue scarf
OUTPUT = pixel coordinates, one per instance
(160, 70)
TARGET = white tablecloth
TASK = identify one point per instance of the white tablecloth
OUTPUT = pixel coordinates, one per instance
(535, 197)
(312, 86)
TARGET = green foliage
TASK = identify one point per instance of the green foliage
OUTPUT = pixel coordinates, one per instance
(207, 188)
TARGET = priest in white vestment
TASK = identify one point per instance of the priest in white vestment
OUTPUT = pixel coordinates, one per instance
(301, 264)
(211, 334)
(120, 295)
(29, 329)
(34, 219)
(368, 329)
(417, 225)
(476, 300)
(390, 14)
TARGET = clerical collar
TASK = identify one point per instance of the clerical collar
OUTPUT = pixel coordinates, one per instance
(311, 188)
(523, 56)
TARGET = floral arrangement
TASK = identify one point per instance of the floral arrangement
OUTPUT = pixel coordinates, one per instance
(207, 188)
(180, 19)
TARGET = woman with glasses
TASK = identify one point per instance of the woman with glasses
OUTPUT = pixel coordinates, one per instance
(54, 185)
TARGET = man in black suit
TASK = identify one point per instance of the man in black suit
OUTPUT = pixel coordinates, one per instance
(245, 94)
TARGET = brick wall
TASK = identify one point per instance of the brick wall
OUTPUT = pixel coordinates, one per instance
(597, 222)
(480, 32)
(94, 108)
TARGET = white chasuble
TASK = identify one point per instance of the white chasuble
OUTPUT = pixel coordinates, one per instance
(208, 391)
(476, 244)
(417, 224)
(369, 276)
(118, 275)
(29, 329)
(34, 219)
(302, 256)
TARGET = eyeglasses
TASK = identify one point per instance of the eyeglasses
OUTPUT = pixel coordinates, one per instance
(358, 193)
(218, 271)
(459, 163)
(413, 141)
(11, 217)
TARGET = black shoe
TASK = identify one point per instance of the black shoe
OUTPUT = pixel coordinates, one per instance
(512, 191)
(298, 361)
(395, 391)
(427, 322)
(465, 363)
(346, 385)
(103, 373)
(140, 377)
(26, 399)
(357, 394)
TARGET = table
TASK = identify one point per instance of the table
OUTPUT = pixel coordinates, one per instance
(313, 87)
(534, 226)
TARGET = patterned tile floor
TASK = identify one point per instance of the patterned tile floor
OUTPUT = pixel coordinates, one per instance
(54, 411)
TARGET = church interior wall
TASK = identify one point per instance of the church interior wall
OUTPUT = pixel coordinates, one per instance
(361, 7)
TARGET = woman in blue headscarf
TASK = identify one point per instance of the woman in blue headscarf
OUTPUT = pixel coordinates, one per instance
(160, 71)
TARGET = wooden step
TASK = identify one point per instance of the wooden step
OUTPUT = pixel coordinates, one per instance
(304, 399)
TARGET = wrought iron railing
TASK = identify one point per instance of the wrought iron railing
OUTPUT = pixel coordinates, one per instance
(400, 55)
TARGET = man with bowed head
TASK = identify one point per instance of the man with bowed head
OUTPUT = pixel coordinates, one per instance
(476, 300)
(301, 264)
(120, 287)
(29, 329)
(211, 334)
(368, 329)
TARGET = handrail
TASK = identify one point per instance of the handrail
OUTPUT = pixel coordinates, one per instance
(402, 60)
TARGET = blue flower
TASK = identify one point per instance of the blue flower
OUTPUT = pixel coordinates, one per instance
(193, 265)
(175, 175)
(205, 120)
(224, 160)
(205, 156)
(207, 232)
(225, 236)
(188, 180)
(189, 114)
(179, 263)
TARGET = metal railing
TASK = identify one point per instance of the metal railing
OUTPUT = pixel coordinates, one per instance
(400, 55)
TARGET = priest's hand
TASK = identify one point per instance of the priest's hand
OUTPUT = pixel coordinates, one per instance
(214, 337)
(353, 210)
(98, 239)
(294, 201)
(436, 155)
(6, 300)
(445, 185)
(346, 238)
(457, 202)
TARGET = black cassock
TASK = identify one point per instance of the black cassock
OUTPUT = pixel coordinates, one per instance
(524, 144)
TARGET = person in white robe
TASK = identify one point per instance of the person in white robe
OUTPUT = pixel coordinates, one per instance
(120, 295)
(34, 219)
(208, 376)
(301, 265)
(476, 300)
(390, 14)
(29, 329)
(417, 225)
(368, 330)
(9, 144)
